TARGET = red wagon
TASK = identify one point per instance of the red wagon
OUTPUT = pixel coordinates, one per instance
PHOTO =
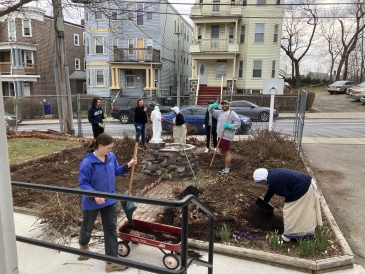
(138, 235)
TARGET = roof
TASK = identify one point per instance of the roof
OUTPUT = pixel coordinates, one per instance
(78, 75)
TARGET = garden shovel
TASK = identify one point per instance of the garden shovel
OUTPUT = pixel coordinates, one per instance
(130, 207)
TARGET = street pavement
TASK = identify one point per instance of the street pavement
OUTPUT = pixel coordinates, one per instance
(336, 164)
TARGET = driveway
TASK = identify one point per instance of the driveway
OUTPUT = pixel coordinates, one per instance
(339, 177)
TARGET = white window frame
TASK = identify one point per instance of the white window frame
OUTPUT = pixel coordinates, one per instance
(85, 64)
(101, 43)
(96, 78)
(11, 30)
(83, 38)
(149, 14)
(126, 80)
(258, 62)
(243, 34)
(115, 42)
(216, 7)
(76, 39)
(77, 64)
(130, 49)
(231, 32)
(200, 32)
(131, 13)
(240, 69)
(31, 56)
(257, 32)
(87, 46)
(273, 68)
(140, 14)
(276, 33)
(88, 78)
(96, 15)
(221, 63)
(30, 28)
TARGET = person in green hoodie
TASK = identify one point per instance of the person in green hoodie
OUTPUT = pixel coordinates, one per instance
(97, 173)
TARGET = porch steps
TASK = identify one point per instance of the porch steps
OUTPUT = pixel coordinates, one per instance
(208, 93)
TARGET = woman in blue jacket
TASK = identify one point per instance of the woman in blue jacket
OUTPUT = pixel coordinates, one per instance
(97, 173)
(301, 212)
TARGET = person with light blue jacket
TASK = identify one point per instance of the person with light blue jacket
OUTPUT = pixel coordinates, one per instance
(97, 173)
(227, 124)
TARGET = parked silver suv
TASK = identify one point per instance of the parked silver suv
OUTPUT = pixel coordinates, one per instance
(340, 86)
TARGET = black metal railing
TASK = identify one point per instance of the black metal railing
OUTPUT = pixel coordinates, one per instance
(185, 260)
(136, 55)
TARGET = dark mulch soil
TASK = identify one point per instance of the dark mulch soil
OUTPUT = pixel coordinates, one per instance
(232, 198)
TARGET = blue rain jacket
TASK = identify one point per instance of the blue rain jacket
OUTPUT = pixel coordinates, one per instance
(99, 176)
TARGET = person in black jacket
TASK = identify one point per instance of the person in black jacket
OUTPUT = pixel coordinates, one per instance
(96, 116)
(179, 131)
(210, 124)
(140, 120)
(301, 212)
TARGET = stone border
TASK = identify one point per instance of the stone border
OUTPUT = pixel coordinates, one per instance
(333, 263)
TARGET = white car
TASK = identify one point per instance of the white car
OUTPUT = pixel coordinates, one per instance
(362, 99)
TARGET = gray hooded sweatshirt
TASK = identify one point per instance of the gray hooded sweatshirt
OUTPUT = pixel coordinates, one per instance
(221, 117)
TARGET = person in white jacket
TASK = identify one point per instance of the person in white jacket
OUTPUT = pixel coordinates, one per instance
(227, 124)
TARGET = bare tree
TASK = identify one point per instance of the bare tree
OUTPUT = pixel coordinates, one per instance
(299, 26)
(9, 6)
(350, 33)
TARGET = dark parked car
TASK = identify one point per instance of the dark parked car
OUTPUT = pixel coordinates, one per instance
(340, 86)
(194, 116)
(11, 118)
(122, 108)
(254, 112)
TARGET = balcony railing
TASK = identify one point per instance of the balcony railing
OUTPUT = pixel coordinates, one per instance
(5, 67)
(136, 55)
(214, 45)
(29, 68)
(229, 8)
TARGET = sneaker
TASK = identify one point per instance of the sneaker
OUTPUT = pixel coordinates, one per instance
(206, 150)
(110, 267)
(83, 258)
(215, 149)
(285, 239)
(222, 172)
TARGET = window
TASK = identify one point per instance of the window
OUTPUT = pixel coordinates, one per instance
(277, 2)
(230, 32)
(257, 69)
(276, 33)
(28, 57)
(139, 14)
(130, 46)
(242, 37)
(11, 30)
(129, 79)
(149, 44)
(100, 78)
(130, 13)
(216, 5)
(149, 15)
(99, 47)
(114, 16)
(115, 42)
(77, 64)
(200, 31)
(76, 40)
(240, 70)
(244, 3)
(261, 2)
(98, 15)
(84, 63)
(87, 45)
(83, 38)
(26, 28)
(221, 69)
(88, 78)
(259, 33)
(273, 67)
(215, 37)
(86, 16)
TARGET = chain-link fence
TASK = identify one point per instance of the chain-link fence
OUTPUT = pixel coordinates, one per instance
(42, 113)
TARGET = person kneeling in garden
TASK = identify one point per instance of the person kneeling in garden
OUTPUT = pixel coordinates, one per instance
(301, 212)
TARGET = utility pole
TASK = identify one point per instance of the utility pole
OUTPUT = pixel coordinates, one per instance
(61, 72)
(178, 94)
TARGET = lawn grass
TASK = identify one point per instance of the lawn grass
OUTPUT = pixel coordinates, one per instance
(21, 149)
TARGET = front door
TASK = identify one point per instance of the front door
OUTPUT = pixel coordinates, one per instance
(140, 48)
(203, 72)
(26, 89)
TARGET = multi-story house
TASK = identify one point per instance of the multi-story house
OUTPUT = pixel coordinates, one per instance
(133, 47)
(238, 40)
(27, 54)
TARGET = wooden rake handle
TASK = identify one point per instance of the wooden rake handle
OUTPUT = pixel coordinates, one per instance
(132, 171)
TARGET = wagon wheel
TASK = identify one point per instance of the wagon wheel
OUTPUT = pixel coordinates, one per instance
(123, 249)
(171, 261)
